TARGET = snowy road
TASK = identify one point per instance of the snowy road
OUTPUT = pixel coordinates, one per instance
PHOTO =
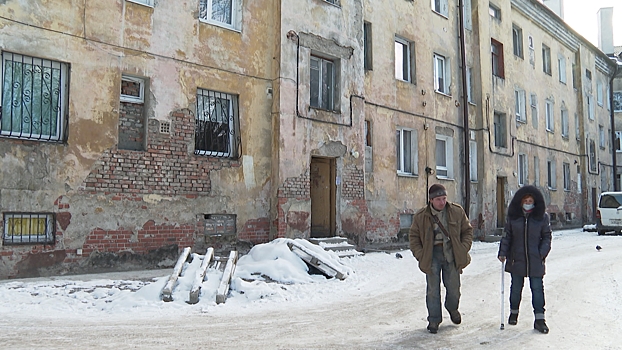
(381, 306)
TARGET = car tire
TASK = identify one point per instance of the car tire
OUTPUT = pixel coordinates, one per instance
(601, 232)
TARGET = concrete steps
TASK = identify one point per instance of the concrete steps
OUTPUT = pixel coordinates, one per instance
(338, 245)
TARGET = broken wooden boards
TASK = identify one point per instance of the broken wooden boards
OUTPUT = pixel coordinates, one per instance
(208, 258)
(314, 260)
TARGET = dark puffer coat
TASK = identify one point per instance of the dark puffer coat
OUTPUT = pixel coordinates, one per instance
(527, 240)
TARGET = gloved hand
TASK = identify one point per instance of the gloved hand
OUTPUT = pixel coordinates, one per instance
(501, 258)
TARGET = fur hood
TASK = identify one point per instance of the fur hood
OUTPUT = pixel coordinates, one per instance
(515, 209)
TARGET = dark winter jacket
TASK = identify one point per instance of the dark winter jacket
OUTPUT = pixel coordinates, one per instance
(527, 240)
(422, 236)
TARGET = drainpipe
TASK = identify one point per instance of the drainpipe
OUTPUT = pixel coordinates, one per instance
(465, 112)
(613, 126)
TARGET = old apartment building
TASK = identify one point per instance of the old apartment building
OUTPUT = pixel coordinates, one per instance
(209, 123)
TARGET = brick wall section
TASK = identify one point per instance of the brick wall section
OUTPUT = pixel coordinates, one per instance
(256, 231)
(353, 183)
(131, 126)
(377, 230)
(293, 187)
(167, 167)
(150, 237)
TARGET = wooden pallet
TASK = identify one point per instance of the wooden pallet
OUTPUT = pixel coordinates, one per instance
(314, 260)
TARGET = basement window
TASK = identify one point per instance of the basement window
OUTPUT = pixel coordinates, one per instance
(28, 228)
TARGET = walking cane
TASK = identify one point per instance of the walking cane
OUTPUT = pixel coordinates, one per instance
(502, 295)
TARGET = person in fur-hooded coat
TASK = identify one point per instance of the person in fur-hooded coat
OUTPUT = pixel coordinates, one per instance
(524, 248)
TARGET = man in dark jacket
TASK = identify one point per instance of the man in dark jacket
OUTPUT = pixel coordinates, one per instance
(525, 246)
(440, 240)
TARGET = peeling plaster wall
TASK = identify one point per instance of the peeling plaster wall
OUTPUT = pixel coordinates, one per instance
(176, 54)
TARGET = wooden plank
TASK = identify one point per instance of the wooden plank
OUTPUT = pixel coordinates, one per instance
(167, 291)
(200, 276)
(225, 281)
(312, 259)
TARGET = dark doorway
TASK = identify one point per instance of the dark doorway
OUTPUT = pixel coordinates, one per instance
(323, 189)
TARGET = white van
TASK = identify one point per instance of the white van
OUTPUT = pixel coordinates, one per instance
(609, 213)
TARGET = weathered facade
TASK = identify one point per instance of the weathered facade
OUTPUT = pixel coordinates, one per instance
(180, 124)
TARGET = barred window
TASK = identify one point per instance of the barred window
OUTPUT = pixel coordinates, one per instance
(34, 98)
(216, 124)
(29, 228)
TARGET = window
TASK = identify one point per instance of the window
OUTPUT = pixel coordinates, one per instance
(578, 179)
(406, 151)
(592, 155)
(532, 51)
(588, 74)
(34, 98)
(216, 124)
(536, 171)
(546, 59)
(617, 141)
(469, 78)
(440, 7)
(601, 136)
(551, 176)
(468, 18)
(496, 49)
(29, 228)
(519, 105)
(577, 128)
(473, 160)
(334, 2)
(403, 60)
(494, 11)
(575, 77)
(590, 107)
(444, 156)
(144, 2)
(533, 101)
(367, 42)
(522, 169)
(441, 74)
(368, 147)
(565, 122)
(323, 83)
(561, 66)
(517, 40)
(225, 13)
(599, 93)
(500, 130)
(617, 101)
(132, 89)
(550, 123)
(566, 169)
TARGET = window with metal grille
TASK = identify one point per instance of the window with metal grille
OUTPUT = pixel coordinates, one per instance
(216, 124)
(34, 98)
(225, 13)
(29, 228)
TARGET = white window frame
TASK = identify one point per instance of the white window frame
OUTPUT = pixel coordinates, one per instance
(577, 128)
(536, 171)
(440, 7)
(207, 98)
(143, 2)
(235, 23)
(494, 11)
(599, 93)
(442, 76)
(327, 100)
(579, 179)
(62, 76)
(401, 146)
(549, 114)
(141, 90)
(566, 170)
(546, 59)
(522, 169)
(446, 170)
(473, 160)
(533, 102)
(403, 68)
(469, 80)
(565, 123)
(590, 106)
(561, 65)
(519, 105)
(517, 41)
(601, 136)
(551, 181)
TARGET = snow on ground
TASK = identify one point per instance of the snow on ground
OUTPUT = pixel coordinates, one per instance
(275, 303)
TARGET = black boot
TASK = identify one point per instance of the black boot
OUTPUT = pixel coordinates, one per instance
(513, 320)
(540, 326)
(433, 327)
